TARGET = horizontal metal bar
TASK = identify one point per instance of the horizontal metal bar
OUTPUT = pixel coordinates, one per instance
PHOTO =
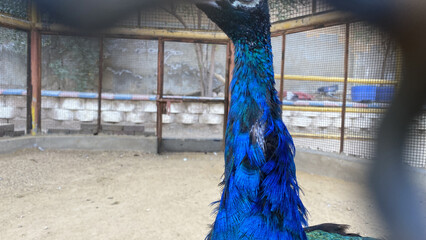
(190, 99)
(12, 22)
(336, 79)
(332, 109)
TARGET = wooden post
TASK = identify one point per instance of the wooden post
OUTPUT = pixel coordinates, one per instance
(100, 80)
(282, 67)
(36, 81)
(345, 89)
(160, 84)
(29, 85)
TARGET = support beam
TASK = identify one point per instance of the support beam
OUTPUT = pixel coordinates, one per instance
(36, 81)
(345, 89)
(160, 84)
(100, 80)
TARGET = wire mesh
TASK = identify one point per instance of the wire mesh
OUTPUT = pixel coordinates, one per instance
(194, 72)
(69, 82)
(131, 20)
(287, 9)
(373, 74)
(312, 97)
(180, 16)
(15, 8)
(277, 48)
(323, 6)
(415, 149)
(130, 83)
(13, 81)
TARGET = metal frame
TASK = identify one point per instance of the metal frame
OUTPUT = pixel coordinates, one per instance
(36, 29)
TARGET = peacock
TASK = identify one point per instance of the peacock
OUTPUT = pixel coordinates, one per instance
(260, 198)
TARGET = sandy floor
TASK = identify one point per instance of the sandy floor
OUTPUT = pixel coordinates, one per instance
(113, 195)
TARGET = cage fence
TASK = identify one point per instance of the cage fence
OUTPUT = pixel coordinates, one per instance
(287, 9)
(15, 8)
(194, 86)
(322, 6)
(129, 86)
(69, 82)
(312, 96)
(373, 70)
(277, 49)
(13, 82)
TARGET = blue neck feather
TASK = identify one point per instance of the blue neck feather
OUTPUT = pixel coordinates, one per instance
(260, 198)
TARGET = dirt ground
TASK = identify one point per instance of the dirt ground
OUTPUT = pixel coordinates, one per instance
(130, 195)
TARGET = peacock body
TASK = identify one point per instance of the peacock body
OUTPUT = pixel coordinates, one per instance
(260, 198)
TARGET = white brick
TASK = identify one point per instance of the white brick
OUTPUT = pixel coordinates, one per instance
(362, 123)
(112, 116)
(323, 122)
(61, 114)
(331, 115)
(187, 118)
(150, 107)
(196, 108)
(373, 115)
(73, 104)
(106, 105)
(137, 117)
(287, 120)
(309, 114)
(7, 112)
(353, 115)
(302, 121)
(86, 116)
(168, 118)
(124, 106)
(287, 114)
(92, 105)
(217, 108)
(177, 108)
(211, 119)
(21, 112)
(49, 102)
(16, 101)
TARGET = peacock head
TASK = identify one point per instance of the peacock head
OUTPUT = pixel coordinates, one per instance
(242, 20)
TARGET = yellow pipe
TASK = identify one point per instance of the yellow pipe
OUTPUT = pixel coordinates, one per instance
(14, 22)
(332, 109)
(335, 79)
(329, 136)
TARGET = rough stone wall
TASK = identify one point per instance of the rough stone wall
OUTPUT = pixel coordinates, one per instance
(13, 109)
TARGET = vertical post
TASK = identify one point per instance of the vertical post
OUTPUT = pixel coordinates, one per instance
(282, 67)
(35, 71)
(100, 80)
(345, 89)
(29, 85)
(36, 81)
(160, 84)
(227, 80)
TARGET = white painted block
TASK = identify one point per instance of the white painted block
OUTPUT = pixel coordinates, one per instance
(16, 101)
(124, 106)
(106, 105)
(168, 118)
(310, 114)
(331, 115)
(211, 119)
(50, 102)
(177, 108)
(302, 122)
(112, 116)
(86, 116)
(150, 107)
(287, 113)
(7, 112)
(73, 104)
(353, 115)
(196, 108)
(362, 123)
(92, 105)
(61, 114)
(323, 122)
(187, 118)
(217, 108)
(137, 117)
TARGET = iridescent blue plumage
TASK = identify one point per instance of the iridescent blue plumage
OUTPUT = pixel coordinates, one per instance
(260, 198)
